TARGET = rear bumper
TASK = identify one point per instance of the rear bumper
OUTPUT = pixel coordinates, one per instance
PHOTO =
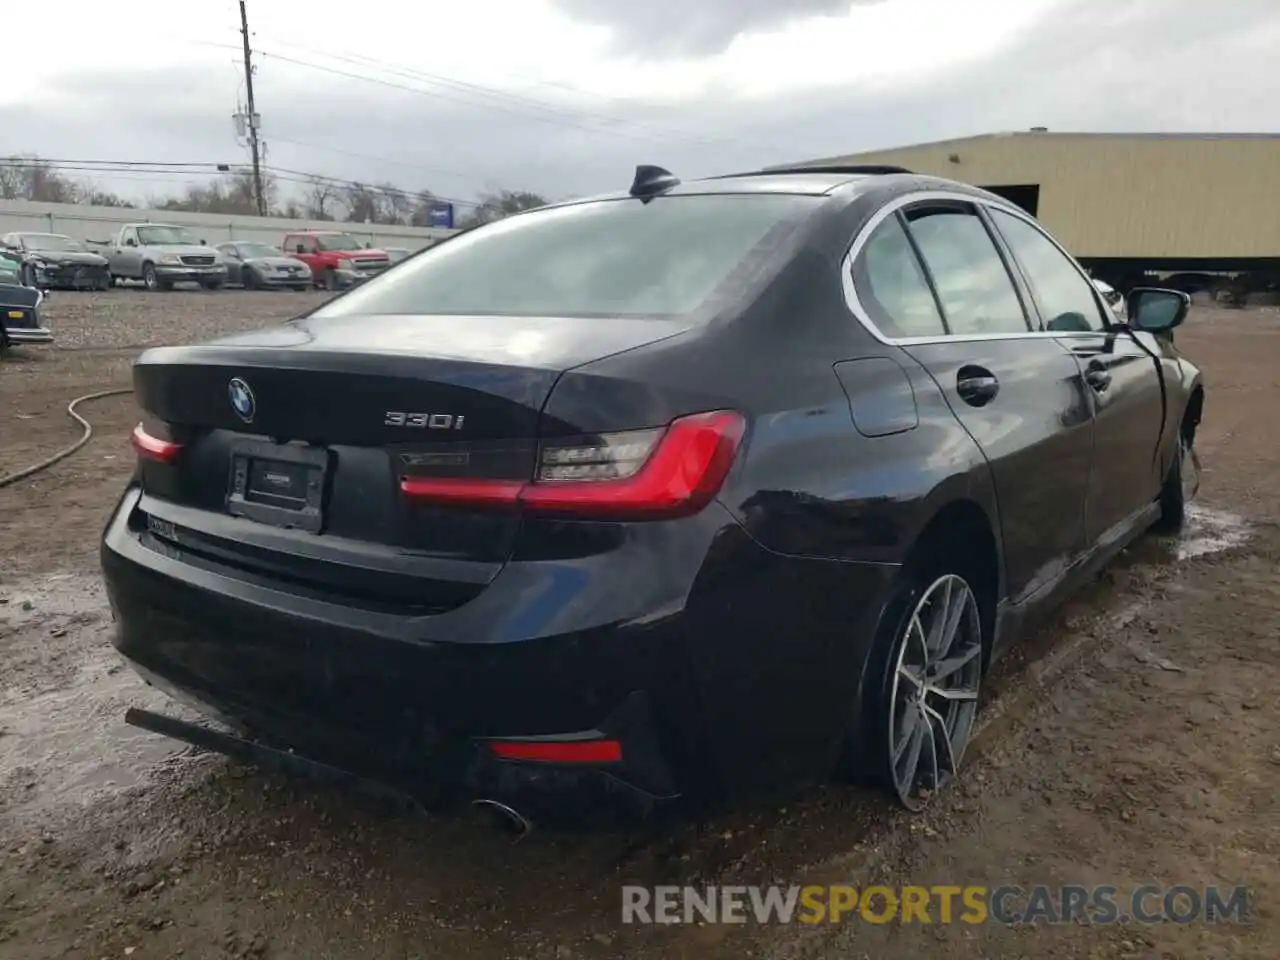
(29, 335)
(718, 665)
(407, 700)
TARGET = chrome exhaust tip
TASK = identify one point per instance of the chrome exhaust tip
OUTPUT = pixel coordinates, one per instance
(508, 818)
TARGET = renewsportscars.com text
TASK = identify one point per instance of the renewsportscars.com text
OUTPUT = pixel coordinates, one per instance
(1010, 905)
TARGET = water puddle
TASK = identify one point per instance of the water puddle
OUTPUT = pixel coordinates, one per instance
(1211, 531)
(63, 694)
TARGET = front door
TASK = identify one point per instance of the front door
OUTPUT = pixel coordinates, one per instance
(1016, 392)
(127, 261)
(1121, 374)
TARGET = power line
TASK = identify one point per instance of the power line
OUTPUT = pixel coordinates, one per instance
(439, 95)
(470, 177)
(476, 89)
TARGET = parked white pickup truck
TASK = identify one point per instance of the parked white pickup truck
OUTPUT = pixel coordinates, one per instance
(161, 255)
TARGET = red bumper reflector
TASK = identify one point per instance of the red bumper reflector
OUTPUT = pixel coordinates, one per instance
(153, 448)
(559, 751)
(462, 490)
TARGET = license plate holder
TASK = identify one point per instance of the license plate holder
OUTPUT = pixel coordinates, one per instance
(278, 484)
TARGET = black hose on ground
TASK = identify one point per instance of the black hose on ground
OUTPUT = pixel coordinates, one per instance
(63, 454)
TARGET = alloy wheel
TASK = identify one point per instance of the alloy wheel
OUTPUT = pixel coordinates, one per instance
(935, 689)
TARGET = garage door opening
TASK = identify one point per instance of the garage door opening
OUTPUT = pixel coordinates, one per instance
(1026, 195)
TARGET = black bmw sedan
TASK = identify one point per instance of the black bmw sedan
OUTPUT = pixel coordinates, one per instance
(701, 489)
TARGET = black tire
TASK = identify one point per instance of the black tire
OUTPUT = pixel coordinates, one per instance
(249, 279)
(149, 278)
(1180, 486)
(4, 340)
(330, 280)
(881, 742)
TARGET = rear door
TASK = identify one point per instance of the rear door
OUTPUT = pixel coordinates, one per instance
(1016, 393)
(1123, 377)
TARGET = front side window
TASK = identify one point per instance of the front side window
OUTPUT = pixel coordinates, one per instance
(335, 242)
(892, 287)
(256, 251)
(627, 258)
(1066, 299)
(974, 287)
(166, 236)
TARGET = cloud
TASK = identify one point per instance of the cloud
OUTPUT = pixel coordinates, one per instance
(903, 71)
(680, 28)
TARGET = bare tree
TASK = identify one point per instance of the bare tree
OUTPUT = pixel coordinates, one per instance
(361, 202)
(240, 190)
(495, 206)
(321, 197)
(92, 195)
(30, 178)
(27, 177)
(394, 204)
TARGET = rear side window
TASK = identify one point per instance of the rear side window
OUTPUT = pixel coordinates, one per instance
(1067, 300)
(606, 258)
(892, 287)
(974, 287)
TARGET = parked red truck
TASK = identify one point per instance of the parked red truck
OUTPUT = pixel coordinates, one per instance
(336, 259)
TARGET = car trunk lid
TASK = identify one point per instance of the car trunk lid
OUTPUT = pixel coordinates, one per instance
(310, 428)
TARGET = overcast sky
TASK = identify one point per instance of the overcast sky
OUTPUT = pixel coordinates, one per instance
(564, 97)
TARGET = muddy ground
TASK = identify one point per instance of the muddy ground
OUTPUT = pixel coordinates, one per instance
(1136, 739)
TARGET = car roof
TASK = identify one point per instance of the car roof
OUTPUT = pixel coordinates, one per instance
(847, 182)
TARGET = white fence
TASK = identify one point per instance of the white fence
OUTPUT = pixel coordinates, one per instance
(103, 223)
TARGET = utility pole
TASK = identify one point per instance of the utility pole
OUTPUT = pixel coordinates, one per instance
(253, 116)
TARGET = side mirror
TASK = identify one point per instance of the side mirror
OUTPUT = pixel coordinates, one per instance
(131, 242)
(301, 248)
(1156, 310)
(204, 243)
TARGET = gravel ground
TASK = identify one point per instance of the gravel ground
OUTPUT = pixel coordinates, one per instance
(1132, 739)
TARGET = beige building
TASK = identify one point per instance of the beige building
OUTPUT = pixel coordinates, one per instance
(1183, 197)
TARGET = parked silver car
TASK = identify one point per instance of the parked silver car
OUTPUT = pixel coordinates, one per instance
(255, 265)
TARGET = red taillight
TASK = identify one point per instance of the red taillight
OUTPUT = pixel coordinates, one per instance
(640, 474)
(559, 751)
(153, 448)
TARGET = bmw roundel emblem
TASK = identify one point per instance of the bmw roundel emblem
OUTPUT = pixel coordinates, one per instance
(241, 397)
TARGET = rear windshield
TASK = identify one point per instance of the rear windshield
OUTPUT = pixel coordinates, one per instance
(603, 258)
